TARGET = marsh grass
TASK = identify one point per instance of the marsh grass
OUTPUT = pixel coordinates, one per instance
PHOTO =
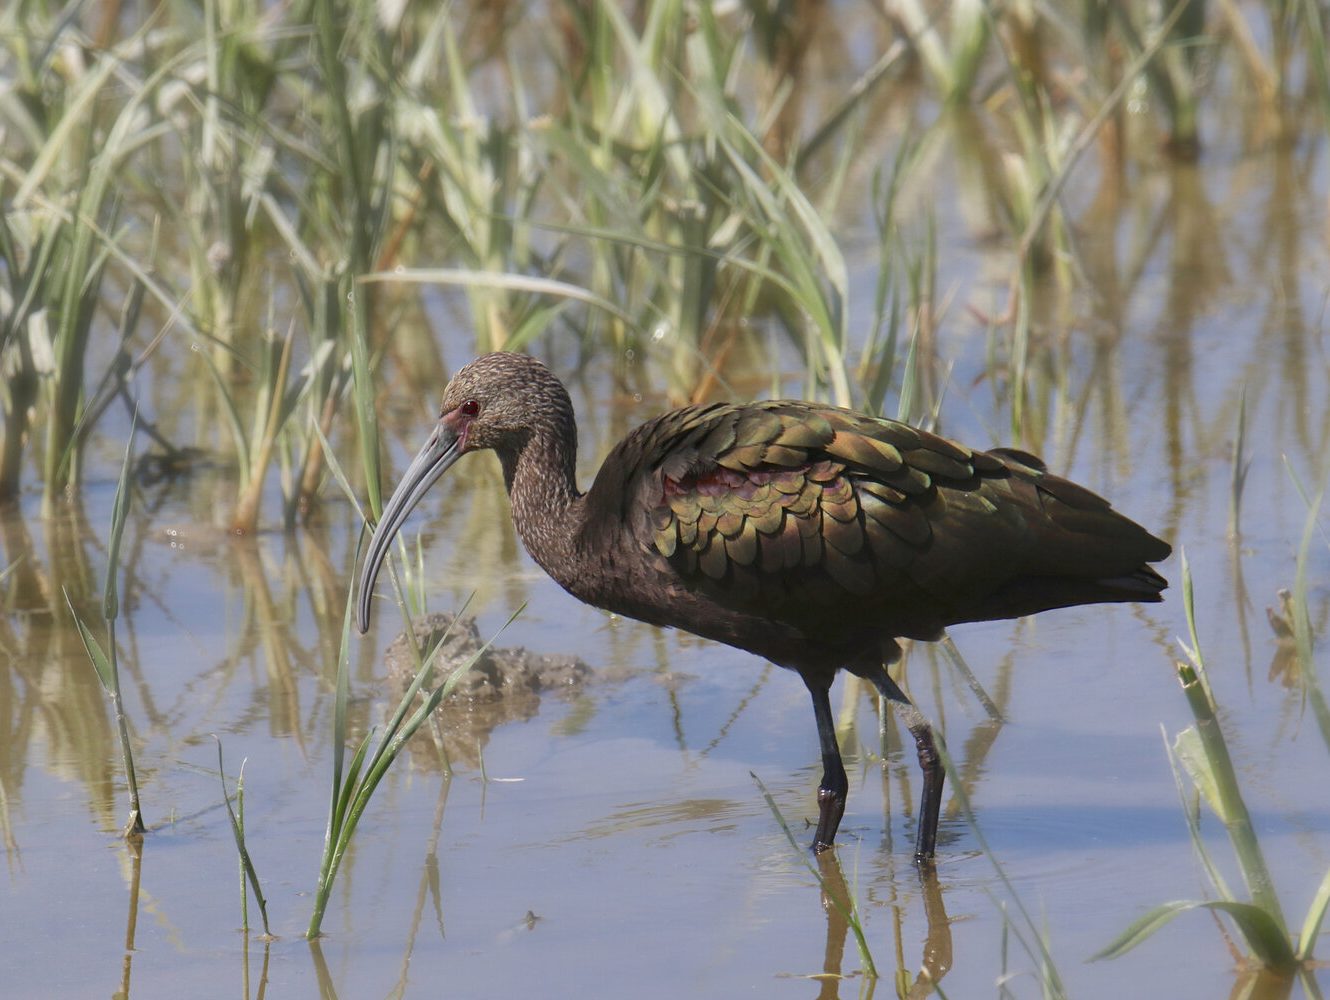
(953, 63)
(232, 200)
(354, 784)
(674, 192)
(1201, 752)
(105, 660)
(248, 873)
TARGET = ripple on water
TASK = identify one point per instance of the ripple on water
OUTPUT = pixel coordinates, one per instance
(1071, 849)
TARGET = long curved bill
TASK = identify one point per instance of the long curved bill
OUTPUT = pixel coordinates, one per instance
(441, 450)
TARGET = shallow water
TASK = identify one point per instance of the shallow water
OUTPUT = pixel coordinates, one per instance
(618, 843)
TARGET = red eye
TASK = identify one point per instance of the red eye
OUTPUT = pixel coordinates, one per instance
(470, 408)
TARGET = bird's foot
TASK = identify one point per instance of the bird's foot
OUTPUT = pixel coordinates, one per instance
(830, 809)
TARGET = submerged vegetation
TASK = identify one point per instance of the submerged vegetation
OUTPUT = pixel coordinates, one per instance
(261, 234)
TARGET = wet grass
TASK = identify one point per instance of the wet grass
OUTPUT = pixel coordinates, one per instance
(668, 196)
(354, 783)
(249, 875)
(1202, 753)
(245, 220)
(105, 659)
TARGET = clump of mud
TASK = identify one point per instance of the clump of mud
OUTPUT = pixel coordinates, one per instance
(505, 684)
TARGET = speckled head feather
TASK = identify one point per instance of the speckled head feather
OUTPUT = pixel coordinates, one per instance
(519, 398)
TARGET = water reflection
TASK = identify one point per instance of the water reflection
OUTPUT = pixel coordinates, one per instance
(936, 953)
(939, 665)
(327, 982)
(248, 989)
(428, 894)
(1174, 296)
(49, 692)
(499, 684)
(134, 848)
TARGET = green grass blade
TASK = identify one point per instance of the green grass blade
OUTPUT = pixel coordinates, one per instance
(847, 907)
(1260, 931)
(352, 793)
(1303, 634)
(74, 118)
(1203, 752)
(1191, 809)
(1311, 925)
(1189, 609)
(1040, 951)
(246, 862)
(396, 737)
(332, 832)
(338, 473)
(511, 282)
(1211, 754)
(1314, 34)
(1085, 137)
(238, 436)
(1190, 751)
(105, 665)
(350, 784)
(100, 661)
(342, 692)
(398, 731)
(119, 511)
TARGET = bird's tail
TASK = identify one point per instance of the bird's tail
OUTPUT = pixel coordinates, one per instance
(1031, 594)
(1143, 585)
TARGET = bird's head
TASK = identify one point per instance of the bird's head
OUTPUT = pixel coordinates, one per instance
(498, 401)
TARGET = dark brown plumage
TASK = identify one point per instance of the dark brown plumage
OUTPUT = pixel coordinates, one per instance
(810, 535)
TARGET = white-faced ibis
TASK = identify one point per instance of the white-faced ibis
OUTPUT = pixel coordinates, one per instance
(810, 535)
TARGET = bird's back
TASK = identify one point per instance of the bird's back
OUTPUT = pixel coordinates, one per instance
(817, 520)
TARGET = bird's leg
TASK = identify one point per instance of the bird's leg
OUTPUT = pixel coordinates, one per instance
(930, 764)
(835, 785)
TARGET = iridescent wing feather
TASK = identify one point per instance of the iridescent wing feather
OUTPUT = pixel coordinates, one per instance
(813, 512)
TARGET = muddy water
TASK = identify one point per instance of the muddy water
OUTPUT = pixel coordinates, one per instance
(607, 837)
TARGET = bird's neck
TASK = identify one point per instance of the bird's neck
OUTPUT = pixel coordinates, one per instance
(548, 508)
